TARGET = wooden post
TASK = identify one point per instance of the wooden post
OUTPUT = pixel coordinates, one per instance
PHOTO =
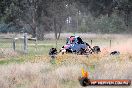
(25, 43)
(91, 42)
(110, 43)
(56, 42)
(14, 44)
(36, 45)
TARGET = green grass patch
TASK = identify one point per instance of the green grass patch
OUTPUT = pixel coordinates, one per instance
(17, 59)
(12, 60)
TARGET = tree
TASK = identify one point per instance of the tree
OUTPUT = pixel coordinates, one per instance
(122, 8)
(49, 14)
(40, 16)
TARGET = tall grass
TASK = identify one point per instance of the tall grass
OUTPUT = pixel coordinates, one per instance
(38, 75)
(41, 74)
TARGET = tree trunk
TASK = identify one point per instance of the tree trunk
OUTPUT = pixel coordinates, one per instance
(34, 33)
(40, 34)
(55, 28)
(60, 28)
(34, 27)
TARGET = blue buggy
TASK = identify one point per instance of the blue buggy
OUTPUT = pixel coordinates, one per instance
(74, 44)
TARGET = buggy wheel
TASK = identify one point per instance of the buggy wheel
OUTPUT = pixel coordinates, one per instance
(96, 49)
(53, 51)
(81, 51)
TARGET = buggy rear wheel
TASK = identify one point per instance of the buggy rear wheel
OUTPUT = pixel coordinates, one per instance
(96, 49)
(53, 51)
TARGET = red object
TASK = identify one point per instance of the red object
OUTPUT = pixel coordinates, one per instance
(71, 38)
(66, 46)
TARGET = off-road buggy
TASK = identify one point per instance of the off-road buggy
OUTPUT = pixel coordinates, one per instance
(74, 44)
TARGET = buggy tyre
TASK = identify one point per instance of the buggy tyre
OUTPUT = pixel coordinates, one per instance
(53, 51)
(96, 49)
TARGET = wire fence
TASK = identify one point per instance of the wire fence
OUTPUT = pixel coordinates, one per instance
(24, 44)
(27, 45)
(5, 43)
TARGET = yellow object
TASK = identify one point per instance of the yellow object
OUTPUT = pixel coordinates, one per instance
(84, 74)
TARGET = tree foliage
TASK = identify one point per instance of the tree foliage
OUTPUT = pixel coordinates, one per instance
(38, 17)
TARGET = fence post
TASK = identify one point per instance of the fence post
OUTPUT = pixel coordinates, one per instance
(14, 44)
(91, 42)
(56, 43)
(25, 43)
(110, 43)
(36, 45)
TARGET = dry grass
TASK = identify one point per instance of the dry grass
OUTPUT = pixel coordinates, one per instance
(89, 36)
(65, 73)
(38, 75)
(4, 53)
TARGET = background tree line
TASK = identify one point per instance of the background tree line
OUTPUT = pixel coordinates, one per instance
(38, 17)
